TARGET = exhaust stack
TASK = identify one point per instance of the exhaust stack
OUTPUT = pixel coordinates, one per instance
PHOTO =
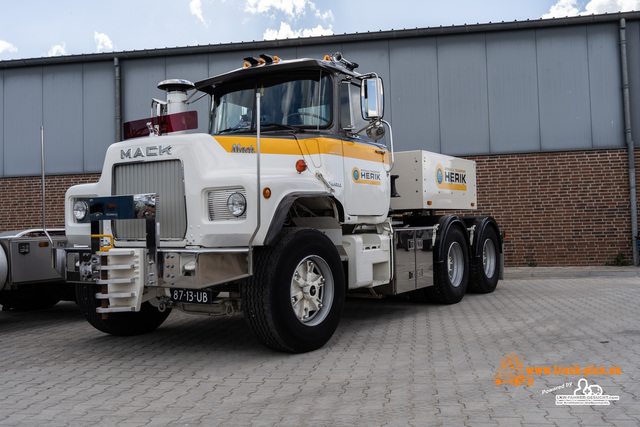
(176, 96)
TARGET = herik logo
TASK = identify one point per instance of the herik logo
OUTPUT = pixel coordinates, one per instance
(451, 179)
(366, 176)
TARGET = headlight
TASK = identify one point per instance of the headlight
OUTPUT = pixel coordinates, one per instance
(236, 204)
(80, 210)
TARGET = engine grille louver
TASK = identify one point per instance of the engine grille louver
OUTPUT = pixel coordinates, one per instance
(164, 178)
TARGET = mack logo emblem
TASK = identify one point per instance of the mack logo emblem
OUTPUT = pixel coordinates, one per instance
(150, 151)
(237, 148)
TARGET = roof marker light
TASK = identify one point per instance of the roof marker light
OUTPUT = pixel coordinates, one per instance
(251, 60)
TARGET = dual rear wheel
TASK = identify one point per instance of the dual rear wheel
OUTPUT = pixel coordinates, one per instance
(457, 272)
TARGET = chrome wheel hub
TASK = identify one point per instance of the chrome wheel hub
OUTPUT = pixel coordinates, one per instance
(311, 290)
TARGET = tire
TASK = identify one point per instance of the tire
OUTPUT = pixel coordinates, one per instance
(294, 300)
(28, 300)
(485, 268)
(121, 324)
(451, 274)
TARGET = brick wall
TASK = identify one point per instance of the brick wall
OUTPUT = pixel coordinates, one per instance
(557, 209)
(21, 200)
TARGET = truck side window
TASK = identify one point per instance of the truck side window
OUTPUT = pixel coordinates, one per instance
(350, 118)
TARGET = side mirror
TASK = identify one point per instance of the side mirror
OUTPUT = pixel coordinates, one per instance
(371, 98)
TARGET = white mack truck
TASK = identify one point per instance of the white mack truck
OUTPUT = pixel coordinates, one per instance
(287, 204)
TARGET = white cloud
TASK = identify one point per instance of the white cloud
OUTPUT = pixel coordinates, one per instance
(195, 6)
(563, 8)
(58, 50)
(286, 31)
(289, 7)
(103, 42)
(570, 7)
(317, 31)
(610, 6)
(7, 47)
(325, 16)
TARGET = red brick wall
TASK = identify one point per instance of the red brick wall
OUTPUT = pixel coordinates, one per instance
(21, 200)
(557, 209)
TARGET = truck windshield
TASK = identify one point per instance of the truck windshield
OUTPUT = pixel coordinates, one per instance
(292, 102)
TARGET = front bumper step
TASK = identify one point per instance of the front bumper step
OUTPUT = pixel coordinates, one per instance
(121, 275)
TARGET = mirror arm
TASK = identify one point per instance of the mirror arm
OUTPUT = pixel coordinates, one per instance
(392, 157)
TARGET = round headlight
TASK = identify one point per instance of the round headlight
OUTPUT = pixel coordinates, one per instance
(80, 210)
(236, 204)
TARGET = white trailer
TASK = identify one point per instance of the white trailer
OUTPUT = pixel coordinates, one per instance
(28, 280)
(287, 204)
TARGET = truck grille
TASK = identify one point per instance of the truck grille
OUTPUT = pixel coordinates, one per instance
(164, 178)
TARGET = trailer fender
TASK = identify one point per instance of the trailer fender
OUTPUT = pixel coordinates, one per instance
(4, 268)
(277, 222)
(487, 263)
(481, 224)
(444, 225)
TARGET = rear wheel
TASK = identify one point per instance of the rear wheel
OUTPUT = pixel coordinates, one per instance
(123, 324)
(485, 268)
(451, 273)
(294, 300)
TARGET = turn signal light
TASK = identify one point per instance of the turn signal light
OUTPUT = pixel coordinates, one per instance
(301, 166)
(266, 193)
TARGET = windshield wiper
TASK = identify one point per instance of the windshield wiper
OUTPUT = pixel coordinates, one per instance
(281, 126)
(233, 129)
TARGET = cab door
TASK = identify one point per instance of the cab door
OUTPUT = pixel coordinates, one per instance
(366, 163)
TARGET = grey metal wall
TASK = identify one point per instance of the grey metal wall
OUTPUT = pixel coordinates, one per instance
(546, 88)
(75, 103)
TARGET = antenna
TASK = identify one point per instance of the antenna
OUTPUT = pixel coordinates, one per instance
(44, 218)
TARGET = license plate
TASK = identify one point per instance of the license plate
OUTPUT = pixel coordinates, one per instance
(191, 296)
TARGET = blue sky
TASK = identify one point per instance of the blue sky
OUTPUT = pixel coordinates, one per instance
(41, 28)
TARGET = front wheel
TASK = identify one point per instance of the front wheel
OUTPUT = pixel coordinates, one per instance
(294, 300)
(122, 324)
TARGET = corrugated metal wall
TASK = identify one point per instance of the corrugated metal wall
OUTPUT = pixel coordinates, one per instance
(484, 92)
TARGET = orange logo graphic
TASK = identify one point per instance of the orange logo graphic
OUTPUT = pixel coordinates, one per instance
(511, 371)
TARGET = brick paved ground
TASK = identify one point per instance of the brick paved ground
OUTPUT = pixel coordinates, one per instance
(390, 363)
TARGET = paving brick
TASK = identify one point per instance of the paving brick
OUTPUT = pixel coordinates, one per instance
(390, 363)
